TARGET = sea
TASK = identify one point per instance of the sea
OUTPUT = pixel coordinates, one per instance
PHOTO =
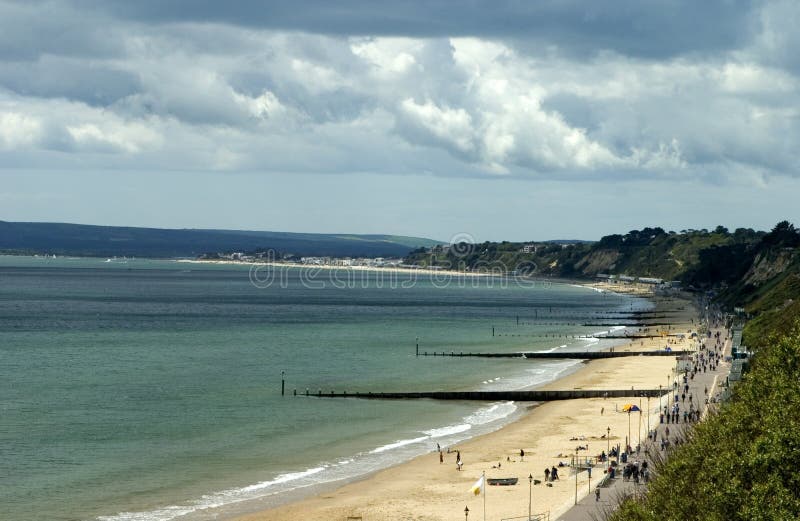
(150, 390)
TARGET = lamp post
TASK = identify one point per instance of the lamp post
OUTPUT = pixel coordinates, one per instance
(608, 443)
(639, 435)
(628, 441)
(466, 513)
(648, 417)
(530, 494)
(660, 395)
(576, 476)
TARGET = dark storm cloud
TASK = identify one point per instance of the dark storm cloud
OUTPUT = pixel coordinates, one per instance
(32, 28)
(50, 77)
(655, 29)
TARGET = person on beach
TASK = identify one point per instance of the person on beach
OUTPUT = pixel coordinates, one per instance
(546, 475)
(553, 474)
(441, 457)
(459, 463)
(521, 455)
(596, 494)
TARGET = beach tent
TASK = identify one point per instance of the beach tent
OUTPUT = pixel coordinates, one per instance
(629, 407)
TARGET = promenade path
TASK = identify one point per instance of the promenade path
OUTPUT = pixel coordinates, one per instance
(589, 508)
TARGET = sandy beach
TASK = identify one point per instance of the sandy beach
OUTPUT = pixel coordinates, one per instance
(424, 489)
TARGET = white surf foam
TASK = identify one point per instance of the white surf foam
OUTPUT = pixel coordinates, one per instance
(492, 413)
(397, 444)
(283, 478)
(448, 431)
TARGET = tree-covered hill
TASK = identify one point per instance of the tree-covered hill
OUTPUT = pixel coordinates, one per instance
(758, 270)
(86, 240)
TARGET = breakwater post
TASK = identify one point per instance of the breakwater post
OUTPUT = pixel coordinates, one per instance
(417, 346)
(283, 383)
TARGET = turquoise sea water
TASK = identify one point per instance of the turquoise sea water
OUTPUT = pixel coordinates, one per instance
(150, 390)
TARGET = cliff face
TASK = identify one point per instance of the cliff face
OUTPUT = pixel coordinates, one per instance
(769, 264)
(598, 261)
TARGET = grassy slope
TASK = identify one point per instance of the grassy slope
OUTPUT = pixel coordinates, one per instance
(740, 464)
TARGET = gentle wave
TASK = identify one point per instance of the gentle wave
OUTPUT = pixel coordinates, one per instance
(283, 478)
(491, 414)
(397, 444)
(449, 430)
(215, 500)
(610, 330)
(582, 286)
(360, 464)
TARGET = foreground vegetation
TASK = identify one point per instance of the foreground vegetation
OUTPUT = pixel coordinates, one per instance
(743, 462)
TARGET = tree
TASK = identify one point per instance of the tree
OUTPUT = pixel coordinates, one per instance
(783, 234)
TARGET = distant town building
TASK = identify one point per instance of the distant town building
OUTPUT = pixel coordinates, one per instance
(650, 280)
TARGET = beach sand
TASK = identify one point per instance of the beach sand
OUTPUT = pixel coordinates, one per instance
(425, 490)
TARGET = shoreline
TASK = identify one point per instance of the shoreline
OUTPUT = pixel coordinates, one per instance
(422, 485)
(375, 269)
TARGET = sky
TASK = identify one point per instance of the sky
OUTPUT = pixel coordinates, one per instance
(553, 119)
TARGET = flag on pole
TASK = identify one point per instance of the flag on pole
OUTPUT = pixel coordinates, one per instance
(477, 488)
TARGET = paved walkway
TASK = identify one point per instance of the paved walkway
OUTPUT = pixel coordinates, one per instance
(588, 508)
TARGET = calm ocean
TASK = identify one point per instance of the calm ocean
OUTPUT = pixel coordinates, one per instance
(150, 390)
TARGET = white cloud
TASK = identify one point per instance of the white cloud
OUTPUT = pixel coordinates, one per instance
(18, 130)
(213, 96)
(317, 78)
(754, 79)
(450, 126)
(113, 136)
(388, 56)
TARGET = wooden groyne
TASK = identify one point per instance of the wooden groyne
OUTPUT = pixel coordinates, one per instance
(626, 324)
(583, 337)
(580, 355)
(636, 337)
(495, 396)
